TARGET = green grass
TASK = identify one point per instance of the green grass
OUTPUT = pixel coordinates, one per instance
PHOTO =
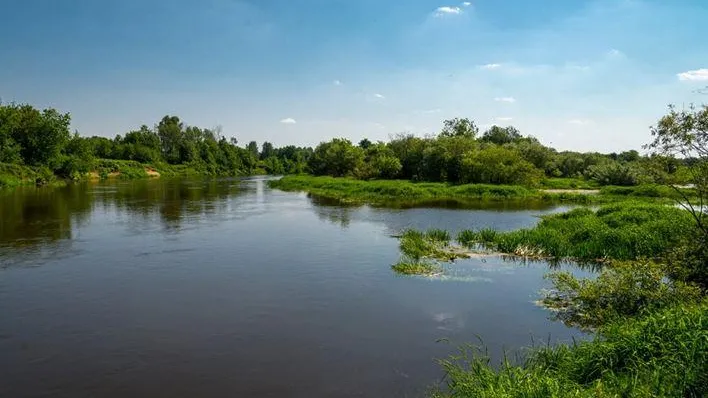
(416, 267)
(568, 183)
(384, 192)
(647, 191)
(662, 354)
(130, 169)
(398, 193)
(14, 175)
(621, 231)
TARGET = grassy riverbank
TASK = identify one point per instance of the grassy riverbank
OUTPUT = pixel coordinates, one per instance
(14, 175)
(398, 193)
(650, 322)
(661, 354)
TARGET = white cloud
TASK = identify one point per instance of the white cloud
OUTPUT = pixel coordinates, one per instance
(337, 82)
(447, 10)
(697, 75)
(510, 100)
(377, 95)
(578, 122)
(288, 121)
(490, 66)
(615, 53)
(503, 119)
(466, 4)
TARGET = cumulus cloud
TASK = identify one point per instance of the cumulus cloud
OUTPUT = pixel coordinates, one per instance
(510, 100)
(466, 4)
(288, 120)
(490, 66)
(377, 95)
(698, 75)
(447, 10)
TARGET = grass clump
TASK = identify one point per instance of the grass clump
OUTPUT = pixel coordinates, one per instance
(421, 250)
(430, 244)
(662, 354)
(623, 231)
(416, 267)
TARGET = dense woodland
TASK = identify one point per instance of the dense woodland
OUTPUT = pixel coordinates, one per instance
(459, 154)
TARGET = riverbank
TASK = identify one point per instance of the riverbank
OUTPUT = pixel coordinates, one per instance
(14, 175)
(399, 193)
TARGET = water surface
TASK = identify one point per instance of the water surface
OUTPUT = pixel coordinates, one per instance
(227, 288)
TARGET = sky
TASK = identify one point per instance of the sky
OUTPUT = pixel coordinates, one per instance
(588, 75)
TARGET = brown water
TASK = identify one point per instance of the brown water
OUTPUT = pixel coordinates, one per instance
(228, 288)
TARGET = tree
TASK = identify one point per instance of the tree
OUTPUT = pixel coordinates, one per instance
(38, 137)
(169, 130)
(685, 134)
(498, 165)
(614, 173)
(267, 150)
(501, 135)
(365, 144)
(337, 158)
(458, 127)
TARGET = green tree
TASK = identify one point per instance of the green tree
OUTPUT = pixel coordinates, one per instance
(267, 150)
(40, 136)
(169, 130)
(501, 135)
(253, 148)
(459, 127)
(337, 158)
(498, 165)
(365, 144)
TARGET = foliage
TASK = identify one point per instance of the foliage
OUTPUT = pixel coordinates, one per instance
(614, 173)
(685, 134)
(622, 231)
(337, 158)
(622, 290)
(498, 165)
(660, 354)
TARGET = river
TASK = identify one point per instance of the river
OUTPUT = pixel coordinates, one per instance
(169, 288)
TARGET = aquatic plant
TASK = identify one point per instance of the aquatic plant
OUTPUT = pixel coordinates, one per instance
(408, 266)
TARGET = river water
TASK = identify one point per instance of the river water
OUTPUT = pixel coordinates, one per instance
(227, 288)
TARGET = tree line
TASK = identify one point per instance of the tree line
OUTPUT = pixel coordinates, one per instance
(43, 139)
(458, 154)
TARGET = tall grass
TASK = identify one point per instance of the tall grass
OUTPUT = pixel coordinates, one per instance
(660, 355)
(622, 231)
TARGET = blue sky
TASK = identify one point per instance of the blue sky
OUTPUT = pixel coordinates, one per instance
(577, 74)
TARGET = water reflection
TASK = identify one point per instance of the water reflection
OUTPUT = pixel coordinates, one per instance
(34, 220)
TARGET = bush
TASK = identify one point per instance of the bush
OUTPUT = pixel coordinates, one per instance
(621, 291)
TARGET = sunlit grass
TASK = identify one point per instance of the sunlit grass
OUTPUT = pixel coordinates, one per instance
(662, 354)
